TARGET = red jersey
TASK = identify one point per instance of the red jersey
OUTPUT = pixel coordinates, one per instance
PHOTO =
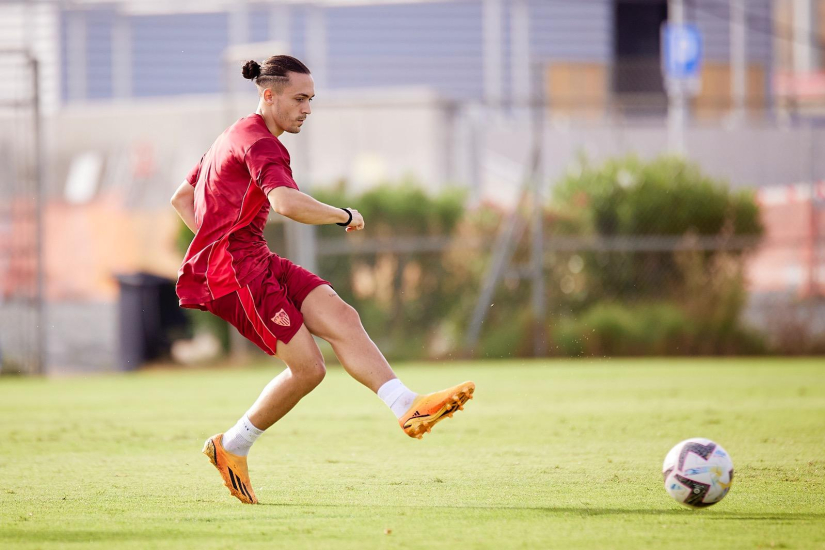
(231, 183)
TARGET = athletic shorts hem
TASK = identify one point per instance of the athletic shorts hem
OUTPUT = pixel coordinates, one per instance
(268, 309)
(301, 296)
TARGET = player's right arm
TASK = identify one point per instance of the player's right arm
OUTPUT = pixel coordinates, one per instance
(302, 208)
(183, 201)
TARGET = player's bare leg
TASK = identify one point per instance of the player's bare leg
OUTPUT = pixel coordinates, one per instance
(329, 317)
(305, 370)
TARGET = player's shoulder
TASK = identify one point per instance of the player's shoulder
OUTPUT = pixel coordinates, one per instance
(255, 140)
(249, 129)
(267, 146)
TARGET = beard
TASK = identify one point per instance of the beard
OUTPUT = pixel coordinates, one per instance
(296, 128)
(290, 125)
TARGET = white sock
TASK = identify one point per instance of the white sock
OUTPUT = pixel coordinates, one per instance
(397, 396)
(240, 437)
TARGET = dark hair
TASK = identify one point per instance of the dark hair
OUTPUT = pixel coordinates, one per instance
(274, 72)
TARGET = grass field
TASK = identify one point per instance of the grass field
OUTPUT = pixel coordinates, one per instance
(557, 454)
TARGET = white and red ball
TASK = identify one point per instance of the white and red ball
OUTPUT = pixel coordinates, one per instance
(698, 472)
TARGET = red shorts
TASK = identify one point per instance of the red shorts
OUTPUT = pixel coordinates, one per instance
(268, 309)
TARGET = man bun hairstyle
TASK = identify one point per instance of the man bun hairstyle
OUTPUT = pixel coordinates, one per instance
(274, 73)
(251, 70)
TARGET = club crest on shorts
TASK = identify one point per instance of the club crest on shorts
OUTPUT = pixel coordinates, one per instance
(281, 318)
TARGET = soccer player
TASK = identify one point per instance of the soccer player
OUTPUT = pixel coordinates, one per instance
(230, 272)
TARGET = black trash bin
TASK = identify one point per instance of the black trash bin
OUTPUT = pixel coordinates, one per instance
(149, 318)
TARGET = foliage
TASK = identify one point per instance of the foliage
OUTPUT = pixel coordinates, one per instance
(658, 204)
(666, 274)
(397, 210)
(402, 297)
(614, 329)
(666, 196)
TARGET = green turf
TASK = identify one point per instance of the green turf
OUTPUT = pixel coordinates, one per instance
(558, 454)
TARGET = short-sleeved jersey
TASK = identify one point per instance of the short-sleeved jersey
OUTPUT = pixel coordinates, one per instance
(231, 184)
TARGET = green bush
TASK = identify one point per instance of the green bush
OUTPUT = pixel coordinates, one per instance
(612, 329)
(403, 297)
(667, 197)
(510, 339)
(398, 210)
(668, 295)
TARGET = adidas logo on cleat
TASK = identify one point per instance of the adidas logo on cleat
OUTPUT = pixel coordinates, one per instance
(436, 407)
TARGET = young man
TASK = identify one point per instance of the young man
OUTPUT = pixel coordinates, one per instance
(230, 272)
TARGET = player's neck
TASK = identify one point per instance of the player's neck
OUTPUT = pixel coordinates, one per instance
(271, 125)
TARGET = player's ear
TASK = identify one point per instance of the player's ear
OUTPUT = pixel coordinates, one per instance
(267, 95)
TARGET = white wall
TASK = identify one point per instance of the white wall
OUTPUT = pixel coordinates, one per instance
(754, 155)
(364, 137)
(369, 137)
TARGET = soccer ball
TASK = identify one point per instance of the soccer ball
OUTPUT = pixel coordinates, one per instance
(697, 472)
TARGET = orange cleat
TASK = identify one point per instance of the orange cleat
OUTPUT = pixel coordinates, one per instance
(232, 468)
(427, 410)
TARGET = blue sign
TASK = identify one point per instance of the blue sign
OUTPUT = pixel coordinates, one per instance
(681, 51)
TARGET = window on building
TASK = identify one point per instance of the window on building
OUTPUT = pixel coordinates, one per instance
(637, 75)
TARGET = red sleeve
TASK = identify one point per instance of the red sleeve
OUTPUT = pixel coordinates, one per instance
(268, 164)
(192, 177)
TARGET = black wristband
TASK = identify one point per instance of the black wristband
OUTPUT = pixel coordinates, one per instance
(349, 221)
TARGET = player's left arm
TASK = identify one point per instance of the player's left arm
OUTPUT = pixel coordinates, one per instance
(298, 206)
(183, 201)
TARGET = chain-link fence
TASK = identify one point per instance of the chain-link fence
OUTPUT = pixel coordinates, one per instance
(22, 329)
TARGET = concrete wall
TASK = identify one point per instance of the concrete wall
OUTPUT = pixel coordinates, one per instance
(753, 155)
(363, 137)
(370, 137)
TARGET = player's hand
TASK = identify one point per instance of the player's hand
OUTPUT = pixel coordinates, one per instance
(357, 223)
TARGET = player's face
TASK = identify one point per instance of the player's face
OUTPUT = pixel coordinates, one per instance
(291, 106)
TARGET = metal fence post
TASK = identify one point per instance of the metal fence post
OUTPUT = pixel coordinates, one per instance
(42, 351)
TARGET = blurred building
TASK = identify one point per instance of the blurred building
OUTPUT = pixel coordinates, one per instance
(593, 54)
(160, 79)
(799, 63)
(128, 67)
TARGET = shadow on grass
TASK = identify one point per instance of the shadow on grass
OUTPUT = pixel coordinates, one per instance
(706, 513)
(84, 536)
(150, 537)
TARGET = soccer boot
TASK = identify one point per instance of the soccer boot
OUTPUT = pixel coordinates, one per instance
(427, 410)
(232, 468)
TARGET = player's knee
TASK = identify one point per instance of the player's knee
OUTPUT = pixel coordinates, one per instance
(348, 317)
(312, 372)
(318, 372)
